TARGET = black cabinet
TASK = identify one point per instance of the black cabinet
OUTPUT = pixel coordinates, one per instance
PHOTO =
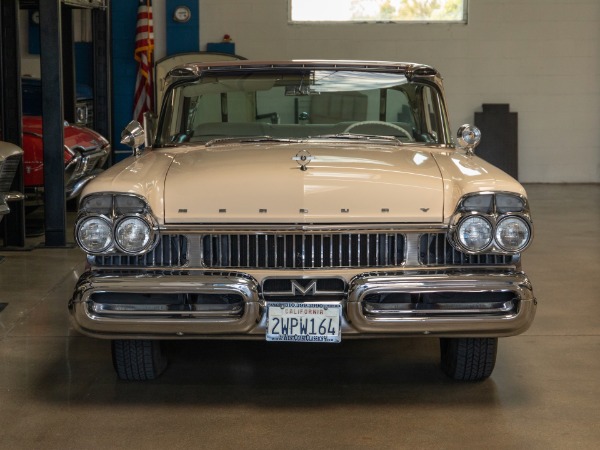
(499, 137)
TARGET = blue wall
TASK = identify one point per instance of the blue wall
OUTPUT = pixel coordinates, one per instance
(181, 37)
(124, 69)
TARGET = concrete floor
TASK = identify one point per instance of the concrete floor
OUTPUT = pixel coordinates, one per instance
(58, 389)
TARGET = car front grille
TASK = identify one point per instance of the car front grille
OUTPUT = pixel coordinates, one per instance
(85, 113)
(7, 171)
(171, 251)
(435, 250)
(303, 251)
(271, 250)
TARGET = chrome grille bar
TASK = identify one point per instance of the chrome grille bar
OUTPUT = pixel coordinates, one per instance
(435, 250)
(302, 251)
(171, 251)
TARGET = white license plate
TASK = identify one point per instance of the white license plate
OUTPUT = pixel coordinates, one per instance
(304, 322)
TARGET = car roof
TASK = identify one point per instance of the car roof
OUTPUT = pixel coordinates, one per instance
(194, 70)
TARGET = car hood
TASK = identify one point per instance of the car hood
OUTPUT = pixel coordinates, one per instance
(342, 183)
(74, 137)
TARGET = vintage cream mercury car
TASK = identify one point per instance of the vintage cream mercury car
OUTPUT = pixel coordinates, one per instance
(303, 201)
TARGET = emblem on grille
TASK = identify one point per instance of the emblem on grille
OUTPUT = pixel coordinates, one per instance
(298, 289)
(303, 158)
(316, 287)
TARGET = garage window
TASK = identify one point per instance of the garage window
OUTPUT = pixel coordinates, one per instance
(423, 11)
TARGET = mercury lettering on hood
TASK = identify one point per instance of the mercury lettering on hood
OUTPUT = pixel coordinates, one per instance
(344, 183)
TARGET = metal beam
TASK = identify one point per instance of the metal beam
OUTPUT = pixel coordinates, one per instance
(53, 117)
(10, 114)
(68, 65)
(102, 80)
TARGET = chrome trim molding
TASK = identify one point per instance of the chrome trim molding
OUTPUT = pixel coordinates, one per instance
(227, 228)
(74, 190)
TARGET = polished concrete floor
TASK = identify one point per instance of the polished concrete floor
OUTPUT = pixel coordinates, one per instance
(58, 389)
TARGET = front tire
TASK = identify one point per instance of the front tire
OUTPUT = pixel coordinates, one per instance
(468, 359)
(138, 360)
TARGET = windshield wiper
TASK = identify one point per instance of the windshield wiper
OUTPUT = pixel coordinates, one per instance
(354, 136)
(249, 139)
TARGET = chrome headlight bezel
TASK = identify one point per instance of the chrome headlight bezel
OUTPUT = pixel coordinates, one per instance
(485, 204)
(505, 219)
(107, 208)
(86, 219)
(459, 235)
(151, 234)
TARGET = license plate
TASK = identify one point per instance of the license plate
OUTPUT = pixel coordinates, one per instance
(302, 322)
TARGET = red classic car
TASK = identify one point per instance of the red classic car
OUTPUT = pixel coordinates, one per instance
(85, 153)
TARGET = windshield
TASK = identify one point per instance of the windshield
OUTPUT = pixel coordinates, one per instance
(303, 104)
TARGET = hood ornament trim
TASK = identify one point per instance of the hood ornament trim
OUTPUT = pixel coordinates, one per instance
(303, 158)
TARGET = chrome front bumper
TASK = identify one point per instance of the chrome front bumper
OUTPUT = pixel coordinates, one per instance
(141, 306)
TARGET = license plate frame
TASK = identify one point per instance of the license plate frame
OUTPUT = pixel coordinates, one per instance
(304, 322)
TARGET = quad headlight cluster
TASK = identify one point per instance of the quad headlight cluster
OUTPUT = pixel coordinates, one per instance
(492, 222)
(120, 223)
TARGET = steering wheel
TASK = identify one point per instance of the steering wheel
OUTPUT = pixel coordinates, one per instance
(378, 122)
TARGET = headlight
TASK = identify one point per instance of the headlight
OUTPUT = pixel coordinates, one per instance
(512, 234)
(474, 233)
(133, 235)
(94, 234)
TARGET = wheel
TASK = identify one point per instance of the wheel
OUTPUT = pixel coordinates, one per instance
(468, 359)
(138, 360)
(377, 122)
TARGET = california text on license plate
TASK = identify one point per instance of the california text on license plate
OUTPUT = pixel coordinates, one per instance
(304, 322)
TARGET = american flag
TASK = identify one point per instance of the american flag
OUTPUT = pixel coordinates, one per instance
(144, 53)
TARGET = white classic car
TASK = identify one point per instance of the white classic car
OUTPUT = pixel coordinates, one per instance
(10, 157)
(303, 201)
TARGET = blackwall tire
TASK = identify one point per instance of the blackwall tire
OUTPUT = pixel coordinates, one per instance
(138, 360)
(468, 359)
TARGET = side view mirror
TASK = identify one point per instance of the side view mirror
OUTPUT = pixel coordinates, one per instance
(134, 136)
(468, 137)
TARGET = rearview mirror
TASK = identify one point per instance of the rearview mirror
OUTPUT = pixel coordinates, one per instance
(133, 136)
(468, 137)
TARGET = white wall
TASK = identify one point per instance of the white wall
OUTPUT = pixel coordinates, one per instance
(541, 56)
